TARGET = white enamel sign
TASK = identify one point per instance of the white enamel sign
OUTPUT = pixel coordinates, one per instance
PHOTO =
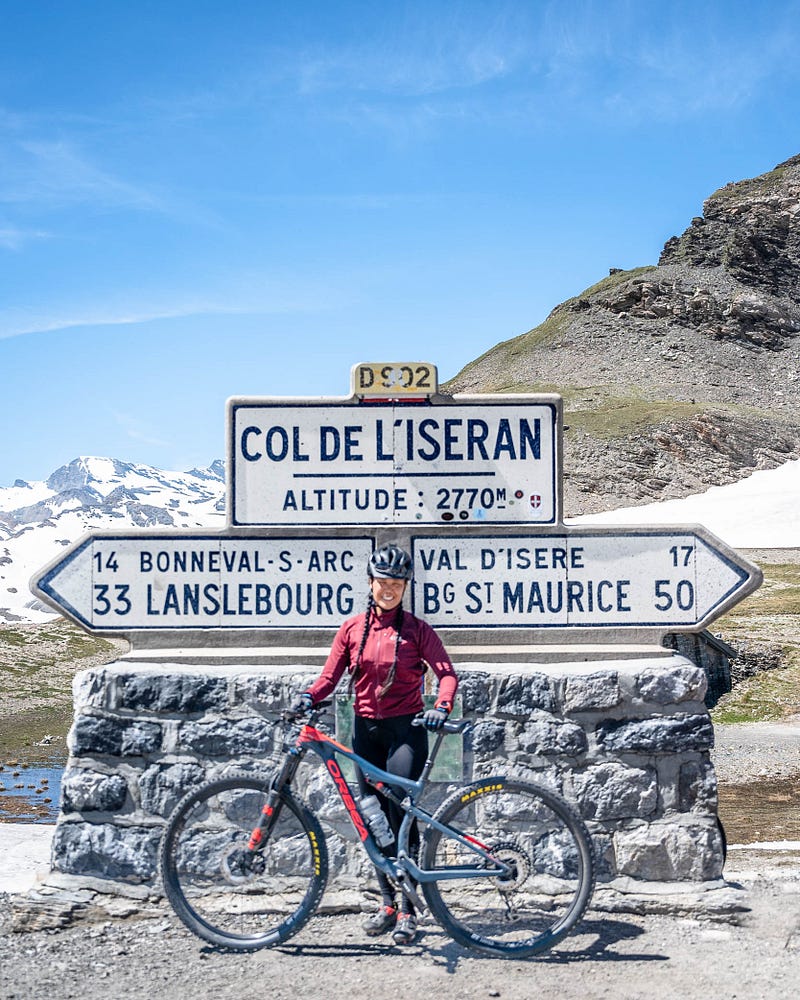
(672, 578)
(110, 582)
(387, 463)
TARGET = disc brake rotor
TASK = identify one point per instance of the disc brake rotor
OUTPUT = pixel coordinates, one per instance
(511, 853)
(239, 864)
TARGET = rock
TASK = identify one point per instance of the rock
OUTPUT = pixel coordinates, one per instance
(105, 850)
(592, 692)
(118, 737)
(703, 338)
(223, 738)
(183, 694)
(669, 853)
(84, 790)
(522, 695)
(657, 735)
(613, 791)
(163, 786)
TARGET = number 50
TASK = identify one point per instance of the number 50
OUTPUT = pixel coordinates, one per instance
(682, 595)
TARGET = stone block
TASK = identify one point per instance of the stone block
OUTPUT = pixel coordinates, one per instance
(592, 692)
(697, 787)
(659, 734)
(264, 694)
(523, 694)
(186, 694)
(106, 851)
(669, 685)
(487, 736)
(89, 689)
(84, 791)
(162, 786)
(613, 791)
(226, 738)
(550, 736)
(116, 737)
(668, 852)
(475, 692)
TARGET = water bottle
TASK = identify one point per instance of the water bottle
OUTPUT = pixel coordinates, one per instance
(376, 817)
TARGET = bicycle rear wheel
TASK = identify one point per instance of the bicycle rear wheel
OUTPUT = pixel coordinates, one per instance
(551, 868)
(227, 894)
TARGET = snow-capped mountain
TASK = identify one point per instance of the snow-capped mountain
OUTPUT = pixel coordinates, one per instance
(38, 520)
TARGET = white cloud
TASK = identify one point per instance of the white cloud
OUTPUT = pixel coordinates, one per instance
(136, 430)
(12, 238)
(240, 294)
(45, 171)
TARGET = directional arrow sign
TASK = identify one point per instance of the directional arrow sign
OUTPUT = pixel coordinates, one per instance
(120, 583)
(676, 578)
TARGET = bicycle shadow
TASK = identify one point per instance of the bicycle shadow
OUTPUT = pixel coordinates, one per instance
(604, 934)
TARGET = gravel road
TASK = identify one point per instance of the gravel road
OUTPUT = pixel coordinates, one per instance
(612, 956)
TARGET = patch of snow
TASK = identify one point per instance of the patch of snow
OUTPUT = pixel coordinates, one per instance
(760, 512)
(86, 495)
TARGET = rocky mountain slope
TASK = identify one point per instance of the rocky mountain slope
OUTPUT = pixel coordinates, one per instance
(677, 376)
(38, 520)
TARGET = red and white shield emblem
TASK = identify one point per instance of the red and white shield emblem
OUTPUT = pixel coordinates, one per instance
(536, 500)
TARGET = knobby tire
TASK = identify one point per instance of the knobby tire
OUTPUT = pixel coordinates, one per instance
(224, 893)
(551, 862)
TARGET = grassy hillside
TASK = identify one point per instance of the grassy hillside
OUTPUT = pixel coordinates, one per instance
(769, 619)
(37, 665)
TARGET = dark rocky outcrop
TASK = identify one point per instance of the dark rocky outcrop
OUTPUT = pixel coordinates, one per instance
(679, 376)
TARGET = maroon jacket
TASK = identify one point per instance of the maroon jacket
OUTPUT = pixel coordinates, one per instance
(419, 647)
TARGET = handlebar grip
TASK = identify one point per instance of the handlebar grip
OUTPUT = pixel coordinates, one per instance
(458, 726)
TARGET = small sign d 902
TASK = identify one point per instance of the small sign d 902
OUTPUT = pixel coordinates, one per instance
(392, 379)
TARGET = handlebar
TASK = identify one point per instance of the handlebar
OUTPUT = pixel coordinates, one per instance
(288, 715)
(313, 712)
(449, 727)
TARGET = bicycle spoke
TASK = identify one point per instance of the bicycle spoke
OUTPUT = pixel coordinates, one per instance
(224, 891)
(549, 872)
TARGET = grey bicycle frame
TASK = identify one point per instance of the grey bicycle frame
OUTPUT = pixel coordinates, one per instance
(328, 749)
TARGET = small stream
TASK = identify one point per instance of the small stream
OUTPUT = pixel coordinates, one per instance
(33, 754)
(30, 794)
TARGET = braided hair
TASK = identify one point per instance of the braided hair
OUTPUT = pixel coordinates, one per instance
(356, 669)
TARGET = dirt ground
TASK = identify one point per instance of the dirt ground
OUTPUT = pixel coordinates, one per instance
(612, 955)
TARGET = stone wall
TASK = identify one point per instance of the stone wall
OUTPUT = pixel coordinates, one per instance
(627, 741)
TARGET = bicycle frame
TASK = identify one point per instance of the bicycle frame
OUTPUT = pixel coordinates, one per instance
(328, 749)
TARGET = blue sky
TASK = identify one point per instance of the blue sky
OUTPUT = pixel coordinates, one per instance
(205, 199)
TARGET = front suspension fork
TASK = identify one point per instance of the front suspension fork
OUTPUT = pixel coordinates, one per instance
(272, 807)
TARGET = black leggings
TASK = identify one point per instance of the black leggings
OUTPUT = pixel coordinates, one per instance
(399, 748)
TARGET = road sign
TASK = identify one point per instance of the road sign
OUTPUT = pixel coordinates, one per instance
(673, 578)
(475, 461)
(179, 580)
(395, 379)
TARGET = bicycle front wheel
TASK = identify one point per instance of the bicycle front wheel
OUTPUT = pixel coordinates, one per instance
(550, 876)
(226, 893)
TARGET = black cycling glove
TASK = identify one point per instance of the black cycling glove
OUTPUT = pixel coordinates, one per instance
(435, 718)
(302, 705)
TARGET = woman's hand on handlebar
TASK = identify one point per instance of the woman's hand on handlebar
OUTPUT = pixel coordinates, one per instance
(300, 707)
(434, 718)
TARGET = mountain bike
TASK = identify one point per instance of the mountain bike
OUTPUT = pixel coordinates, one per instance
(505, 866)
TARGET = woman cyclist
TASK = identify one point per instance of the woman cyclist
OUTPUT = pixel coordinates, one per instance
(386, 651)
